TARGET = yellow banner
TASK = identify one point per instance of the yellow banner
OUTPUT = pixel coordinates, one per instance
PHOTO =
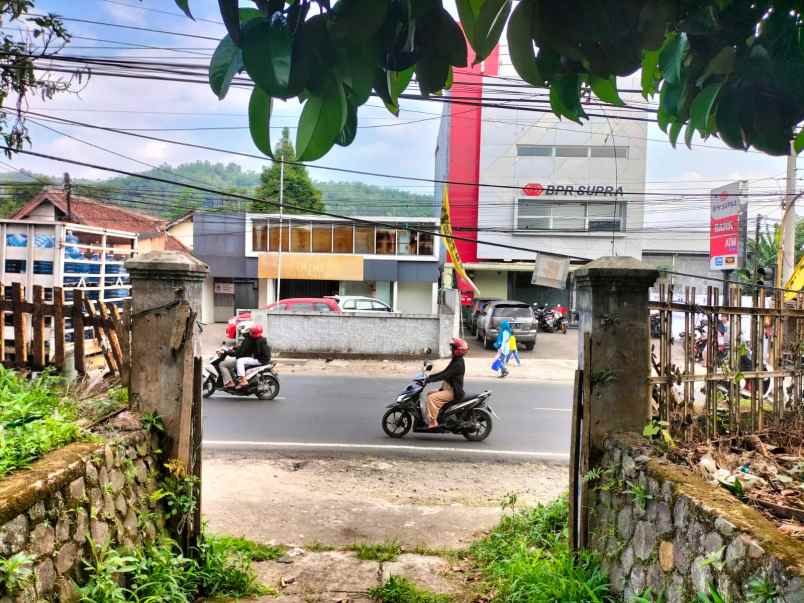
(449, 243)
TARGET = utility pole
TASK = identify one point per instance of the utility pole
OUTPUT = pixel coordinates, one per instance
(281, 228)
(787, 249)
(68, 195)
(755, 271)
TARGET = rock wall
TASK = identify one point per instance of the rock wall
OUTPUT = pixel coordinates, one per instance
(659, 526)
(98, 491)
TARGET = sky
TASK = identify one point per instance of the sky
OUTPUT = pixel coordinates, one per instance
(384, 144)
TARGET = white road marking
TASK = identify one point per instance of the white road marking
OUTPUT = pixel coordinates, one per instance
(248, 444)
(555, 409)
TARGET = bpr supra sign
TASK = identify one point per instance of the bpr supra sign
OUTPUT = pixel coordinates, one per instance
(727, 227)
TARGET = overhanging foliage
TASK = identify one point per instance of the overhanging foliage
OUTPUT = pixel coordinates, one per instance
(727, 68)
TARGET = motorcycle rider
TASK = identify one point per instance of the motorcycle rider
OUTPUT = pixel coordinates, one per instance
(252, 351)
(452, 377)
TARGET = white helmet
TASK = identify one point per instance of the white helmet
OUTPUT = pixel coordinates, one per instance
(244, 327)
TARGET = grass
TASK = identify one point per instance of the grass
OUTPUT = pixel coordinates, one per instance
(526, 559)
(161, 573)
(34, 419)
(402, 590)
(384, 551)
(253, 550)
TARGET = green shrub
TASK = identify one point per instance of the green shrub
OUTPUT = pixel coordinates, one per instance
(253, 550)
(226, 571)
(526, 559)
(34, 419)
(384, 551)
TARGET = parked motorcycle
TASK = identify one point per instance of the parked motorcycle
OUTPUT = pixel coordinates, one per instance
(470, 417)
(550, 320)
(263, 381)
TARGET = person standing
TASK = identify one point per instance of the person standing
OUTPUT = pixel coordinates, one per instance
(503, 345)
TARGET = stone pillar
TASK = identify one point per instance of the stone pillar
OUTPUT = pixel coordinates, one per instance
(166, 300)
(612, 301)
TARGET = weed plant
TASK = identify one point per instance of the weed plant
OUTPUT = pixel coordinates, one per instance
(402, 590)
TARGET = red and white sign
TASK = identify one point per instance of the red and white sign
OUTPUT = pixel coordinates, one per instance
(726, 223)
(533, 189)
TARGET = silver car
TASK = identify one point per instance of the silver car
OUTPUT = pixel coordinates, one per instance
(356, 303)
(519, 314)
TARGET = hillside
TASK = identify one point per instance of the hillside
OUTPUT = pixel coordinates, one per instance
(351, 198)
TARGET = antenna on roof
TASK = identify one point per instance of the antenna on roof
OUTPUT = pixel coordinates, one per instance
(68, 194)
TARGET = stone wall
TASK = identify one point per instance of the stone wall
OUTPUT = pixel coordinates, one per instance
(662, 527)
(98, 491)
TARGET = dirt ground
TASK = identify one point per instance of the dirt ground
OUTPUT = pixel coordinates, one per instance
(299, 501)
(320, 507)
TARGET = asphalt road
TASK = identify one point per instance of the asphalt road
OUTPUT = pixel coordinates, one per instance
(334, 413)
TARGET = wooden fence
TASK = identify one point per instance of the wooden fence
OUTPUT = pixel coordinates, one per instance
(39, 342)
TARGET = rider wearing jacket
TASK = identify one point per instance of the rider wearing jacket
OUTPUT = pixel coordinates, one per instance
(252, 351)
(452, 377)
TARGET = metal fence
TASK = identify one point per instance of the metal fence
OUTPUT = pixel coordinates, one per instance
(725, 363)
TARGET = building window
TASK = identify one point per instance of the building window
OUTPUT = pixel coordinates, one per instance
(259, 236)
(16, 266)
(322, 238)
(572, 151)
(343, 239)
(534, 150)
(274, 232)
(364, 240)
(386, 241)
(609, 152)
(426, 243)
(407, 242)
(576, 216)
(300, 236)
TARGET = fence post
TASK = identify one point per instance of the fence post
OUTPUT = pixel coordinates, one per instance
(166, 297)
(612, 301)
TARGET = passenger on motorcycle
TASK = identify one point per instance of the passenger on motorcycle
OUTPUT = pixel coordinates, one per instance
(452, 377)
(252, 351)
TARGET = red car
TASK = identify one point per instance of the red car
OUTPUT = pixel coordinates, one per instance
(322, 305)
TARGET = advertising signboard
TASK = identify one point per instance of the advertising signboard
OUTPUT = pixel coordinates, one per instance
(550, 271)
(727, 227)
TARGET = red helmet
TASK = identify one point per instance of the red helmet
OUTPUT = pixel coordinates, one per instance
(459, 346)
(255, 331)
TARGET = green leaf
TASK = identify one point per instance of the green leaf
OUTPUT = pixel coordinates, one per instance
(396, 83)
(565, 97)
(321, 121)
(468, 11)
(520, 42)
(606, 90)
(671, 57)
(722, 64)
(675, 130)
(688, 135)
(267, 51)
(798, 142)
(231, 18)
(650, 72)
(431, 74)
(702, 107)
(451, 42)
(361, 64)
(226, 63)
(184, 5)
(259, 118)
(349, 131)
(356, 21)
(488, 26)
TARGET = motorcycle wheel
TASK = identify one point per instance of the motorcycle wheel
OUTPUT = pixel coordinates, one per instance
(208, 388)
(483, 425)
(268, 388)
(396, 422)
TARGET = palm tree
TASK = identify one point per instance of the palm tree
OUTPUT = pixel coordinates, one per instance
(761, 254)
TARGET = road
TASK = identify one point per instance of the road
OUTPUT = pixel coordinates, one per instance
(339, 413)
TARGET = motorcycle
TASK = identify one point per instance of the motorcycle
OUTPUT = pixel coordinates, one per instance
(470, 417)
(263, 381)
(550, 321)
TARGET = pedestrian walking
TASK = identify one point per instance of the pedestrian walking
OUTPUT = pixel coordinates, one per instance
(503, 346)
(514, 350)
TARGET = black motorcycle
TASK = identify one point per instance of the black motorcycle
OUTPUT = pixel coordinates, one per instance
(469, 417)
(262, 380)
(550, 321)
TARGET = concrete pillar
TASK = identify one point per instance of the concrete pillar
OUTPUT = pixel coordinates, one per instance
(612, 301)
(166, 300)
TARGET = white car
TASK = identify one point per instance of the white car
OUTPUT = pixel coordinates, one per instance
(356, 303)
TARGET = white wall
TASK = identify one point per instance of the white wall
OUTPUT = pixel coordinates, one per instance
(415, 298)
(207, 301)
(46, 212)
